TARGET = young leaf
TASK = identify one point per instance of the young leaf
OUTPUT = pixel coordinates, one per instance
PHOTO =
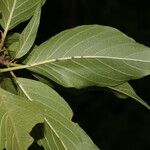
(59, 131)
(16, 11)
(128, 91)
(28, 35)
(17, 117)
(90, 55)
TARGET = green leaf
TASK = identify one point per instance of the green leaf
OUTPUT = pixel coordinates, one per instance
(28, 35)
(17, 117)
(12, 38)
(16, 11)
(59, 131)
(8, 85)
(90, 55)
(125, 90)
(43, 2)
(0, 14)
(43, 79)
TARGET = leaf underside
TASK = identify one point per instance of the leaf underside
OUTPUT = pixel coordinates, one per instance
(17, 118)
(127, 91)
(27, 36)
(59, 131)
(90, 55)
(16, 11)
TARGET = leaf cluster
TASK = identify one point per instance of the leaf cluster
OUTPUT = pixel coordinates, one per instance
(31, 111)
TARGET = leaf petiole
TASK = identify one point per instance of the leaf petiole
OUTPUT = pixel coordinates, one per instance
(19, 85)
(13, 67)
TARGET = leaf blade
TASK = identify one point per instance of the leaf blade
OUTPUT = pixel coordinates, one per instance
(12, 38)
(8, 85)
(60, 131)
(16, 11)
(14, 131)
(127, 90)
(28, 35)
(87, 55)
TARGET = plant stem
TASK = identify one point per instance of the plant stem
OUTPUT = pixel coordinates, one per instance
(17, 67)
(3, 39)
(13, 67)
(11, 64)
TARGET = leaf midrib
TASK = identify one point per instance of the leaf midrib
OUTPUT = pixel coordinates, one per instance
(11, 15)
(51, 127)
(31, 64)
(27, 38)
(85, 57)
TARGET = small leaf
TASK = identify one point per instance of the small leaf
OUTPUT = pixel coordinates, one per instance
(16, 11)
(60, 131)
(17, 117)
(126, 90)
(28, 35)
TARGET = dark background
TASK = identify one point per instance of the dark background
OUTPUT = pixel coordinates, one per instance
(113, 124)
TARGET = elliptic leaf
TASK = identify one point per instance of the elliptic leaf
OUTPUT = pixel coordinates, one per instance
(90, 55)
(59, 131)
(28, 35)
